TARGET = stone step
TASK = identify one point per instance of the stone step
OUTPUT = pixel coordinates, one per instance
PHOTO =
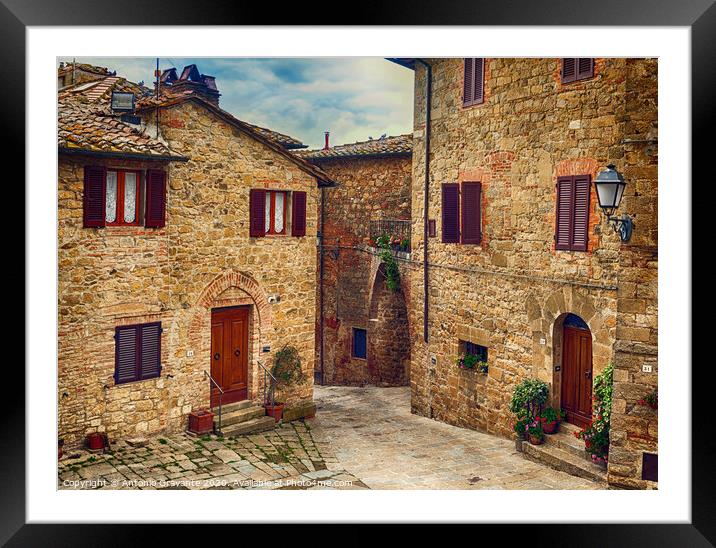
(565, 440)
(556, 458)
(259, 424)
(232, 407)
(240, 415)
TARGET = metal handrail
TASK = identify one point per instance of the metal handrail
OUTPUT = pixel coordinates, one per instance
(221, 393)
(267, 374)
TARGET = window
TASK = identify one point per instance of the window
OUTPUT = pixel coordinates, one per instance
(137, 352)
(476, 350)
(572, 223)
(112, 197)
(359, 343)
(269, 212)
(576, 68)
(121, 204)
(275, 219)
(462, 218)
(473, 90)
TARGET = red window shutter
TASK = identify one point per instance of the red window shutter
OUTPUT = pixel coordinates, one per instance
(257, 213)
(569, 69)
(156, 198)
(298, 214)
(126, 354)
(150, 350)
(471, 231)
(565, 204)
(93, 196)
(468, 81)
(585, 68)
(451, 213)
(580, 224)
(478, 81)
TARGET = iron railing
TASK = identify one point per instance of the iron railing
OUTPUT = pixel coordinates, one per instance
(221, 393)
(269, 396)
(399, 229)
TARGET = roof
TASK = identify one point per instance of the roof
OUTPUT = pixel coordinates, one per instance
(286, 141)
(269, 138)
(86, 124)
(85, 67)
(399, 145)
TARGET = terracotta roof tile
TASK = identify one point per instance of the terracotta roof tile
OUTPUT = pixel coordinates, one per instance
(400, 145)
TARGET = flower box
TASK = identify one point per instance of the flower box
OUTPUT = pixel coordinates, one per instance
(201, 422)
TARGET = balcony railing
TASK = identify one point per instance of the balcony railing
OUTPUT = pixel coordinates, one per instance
(398, 229)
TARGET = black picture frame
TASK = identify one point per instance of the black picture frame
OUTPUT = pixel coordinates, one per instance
(699, 15)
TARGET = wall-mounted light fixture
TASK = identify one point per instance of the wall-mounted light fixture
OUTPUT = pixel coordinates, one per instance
(610, 185)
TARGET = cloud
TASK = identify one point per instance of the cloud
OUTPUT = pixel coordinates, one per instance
(352, 97)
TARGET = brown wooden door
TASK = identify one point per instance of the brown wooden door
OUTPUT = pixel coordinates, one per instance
(577, 376)
(229, 353)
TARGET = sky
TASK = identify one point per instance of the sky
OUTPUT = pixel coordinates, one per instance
(352, 97)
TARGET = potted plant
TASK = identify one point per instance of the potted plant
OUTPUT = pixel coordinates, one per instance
(520, 427)
(596, 435)
(550, 420)
(472, 361)
(650, 400)
(528, 398)
(286, 370)
(535, 433)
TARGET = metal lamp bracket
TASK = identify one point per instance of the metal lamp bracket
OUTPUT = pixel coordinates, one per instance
(622, 225)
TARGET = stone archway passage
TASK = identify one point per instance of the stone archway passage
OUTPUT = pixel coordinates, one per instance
(388, 335)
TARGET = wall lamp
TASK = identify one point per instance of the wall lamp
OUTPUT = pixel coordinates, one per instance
(610, 185)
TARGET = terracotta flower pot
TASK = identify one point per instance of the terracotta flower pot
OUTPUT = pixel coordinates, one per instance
(534, 440)
(201, 422)
(550, 427)
(275, 411)
(95, 441)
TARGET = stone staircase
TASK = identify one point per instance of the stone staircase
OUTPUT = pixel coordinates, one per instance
(562, 451)
(241, 418)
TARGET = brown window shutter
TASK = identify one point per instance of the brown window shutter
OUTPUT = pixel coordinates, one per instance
(478, 94)
(298, 214)
(565, 204)
(468, 81)
(451, 213)
(569, 70)
(257, 213)
(471, 230)
(585, 68)
(580, 224)
(126, 357)
(156, 205)
(93, 196)
(150, 345)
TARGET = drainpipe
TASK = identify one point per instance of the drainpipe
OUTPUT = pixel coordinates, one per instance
(428, 93)
(320, 277)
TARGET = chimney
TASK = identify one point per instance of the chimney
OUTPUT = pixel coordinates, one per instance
(190, 79)
(327, 146)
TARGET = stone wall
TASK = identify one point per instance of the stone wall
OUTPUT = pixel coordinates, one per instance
(368, 189)
(203, 258)
(512, 291)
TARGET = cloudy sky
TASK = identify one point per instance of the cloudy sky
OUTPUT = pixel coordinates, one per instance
(352, 97)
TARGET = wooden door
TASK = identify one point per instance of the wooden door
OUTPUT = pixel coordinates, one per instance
(577, 376)
(229, 353)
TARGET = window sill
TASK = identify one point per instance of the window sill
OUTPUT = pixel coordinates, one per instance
(116, 384)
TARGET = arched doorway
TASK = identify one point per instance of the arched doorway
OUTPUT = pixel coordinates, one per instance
(576, 381)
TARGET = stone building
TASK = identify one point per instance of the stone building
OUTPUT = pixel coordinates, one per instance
(363, 338)
(186, 247)
(522, 266)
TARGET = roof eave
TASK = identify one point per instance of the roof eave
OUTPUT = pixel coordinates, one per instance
(116, 154)
(355, 156)
(407, 62)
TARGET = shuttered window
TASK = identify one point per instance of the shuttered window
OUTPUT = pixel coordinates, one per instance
(572, 223)
(137, 352)
(257, 213)
(473, 91)
(471, 229)
(156, 198)
(112, 197)
(451, 213)
(298, 214)
(577, 68)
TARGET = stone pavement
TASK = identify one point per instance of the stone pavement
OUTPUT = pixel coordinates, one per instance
(361, 438)
(376, 438)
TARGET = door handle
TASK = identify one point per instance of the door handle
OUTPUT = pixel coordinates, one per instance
(237, 352)
(217, 356)
(588, 374)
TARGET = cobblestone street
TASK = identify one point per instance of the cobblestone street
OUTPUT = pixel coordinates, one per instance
(361, 438)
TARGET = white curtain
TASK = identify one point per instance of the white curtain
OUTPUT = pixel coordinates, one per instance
(111, 202)
(130, 197)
